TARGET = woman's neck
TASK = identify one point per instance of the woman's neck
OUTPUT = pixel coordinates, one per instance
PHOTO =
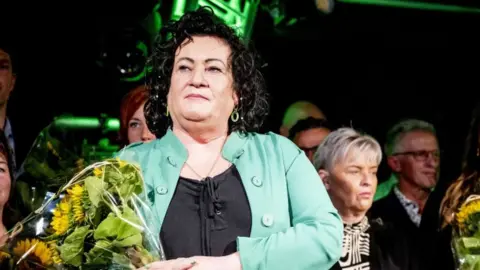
(352, 217)
(212, 141)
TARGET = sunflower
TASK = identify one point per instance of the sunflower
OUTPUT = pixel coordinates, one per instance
(76, 194)
(465, 213)
(4, 255)
(34, 251)
(98, 171)
(61, 217)
(121, 163)
(52, 245)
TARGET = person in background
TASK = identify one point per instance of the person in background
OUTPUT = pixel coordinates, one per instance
(133, 126)
(455, 194)
(347, 162)
(7, 84)
(298, 111)
(308, 133)
(224, 196)
(8, 217)
(414, 157)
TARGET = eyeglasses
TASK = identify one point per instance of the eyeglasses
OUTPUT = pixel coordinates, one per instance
(421, 155)
(309, 150)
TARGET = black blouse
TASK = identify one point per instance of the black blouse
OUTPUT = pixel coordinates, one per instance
(206, 217)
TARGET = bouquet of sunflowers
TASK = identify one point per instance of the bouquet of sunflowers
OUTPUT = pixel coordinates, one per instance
(466, 234)
(98, 220)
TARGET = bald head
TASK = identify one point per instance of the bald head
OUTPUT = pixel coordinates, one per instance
(298, 111)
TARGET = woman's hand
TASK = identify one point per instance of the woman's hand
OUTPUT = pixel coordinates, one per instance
(177, 264)
(230, 262)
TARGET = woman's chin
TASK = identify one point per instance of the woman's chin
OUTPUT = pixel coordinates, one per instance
(195, 116)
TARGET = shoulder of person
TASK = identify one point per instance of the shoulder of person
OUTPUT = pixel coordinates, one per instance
(277, 145)
(388, 230)
(276, 140)
(134, 151)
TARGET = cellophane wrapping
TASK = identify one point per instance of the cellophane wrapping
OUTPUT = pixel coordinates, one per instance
(466, 234)
(98, 220)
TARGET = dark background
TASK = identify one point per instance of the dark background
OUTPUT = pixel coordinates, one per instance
(365, 66)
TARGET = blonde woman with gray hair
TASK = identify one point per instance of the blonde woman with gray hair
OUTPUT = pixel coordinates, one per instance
(347, 161)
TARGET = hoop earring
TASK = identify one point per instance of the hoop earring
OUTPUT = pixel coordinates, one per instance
(167, 113)
(234, 116)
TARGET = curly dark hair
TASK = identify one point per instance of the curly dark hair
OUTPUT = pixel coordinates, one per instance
(248, 81)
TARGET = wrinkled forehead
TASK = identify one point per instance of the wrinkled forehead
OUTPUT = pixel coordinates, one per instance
(418, 140)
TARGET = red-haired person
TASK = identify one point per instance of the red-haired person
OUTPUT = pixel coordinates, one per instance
(133, 126)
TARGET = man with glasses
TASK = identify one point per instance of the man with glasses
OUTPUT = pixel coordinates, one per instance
(308, 133)
(413, 156)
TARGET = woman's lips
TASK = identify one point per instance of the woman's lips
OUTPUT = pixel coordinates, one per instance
(196, 96)
(365, 194)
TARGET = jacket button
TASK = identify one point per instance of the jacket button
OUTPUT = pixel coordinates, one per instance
(161, 190)
(171, 161)
(267, 220)
(256, 181)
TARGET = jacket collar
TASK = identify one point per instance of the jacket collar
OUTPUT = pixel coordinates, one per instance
(232, 149)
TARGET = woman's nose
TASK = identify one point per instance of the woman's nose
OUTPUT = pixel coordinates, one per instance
(198, 78)
(367, 180)
(147, 135)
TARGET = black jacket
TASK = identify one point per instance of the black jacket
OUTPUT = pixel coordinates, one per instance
(390, 249)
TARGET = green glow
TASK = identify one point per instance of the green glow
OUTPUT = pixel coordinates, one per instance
(142, 47)
(236, 13)
(72, 122)
(415, 5)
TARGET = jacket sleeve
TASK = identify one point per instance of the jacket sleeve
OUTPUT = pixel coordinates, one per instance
(315, 239)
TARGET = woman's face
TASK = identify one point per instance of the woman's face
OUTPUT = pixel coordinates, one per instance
(352, 182)
(137, 127)
(5, 181)
(201, 87)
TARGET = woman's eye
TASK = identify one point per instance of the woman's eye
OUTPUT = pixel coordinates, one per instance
(214, 69)
(183, 68)
(134, 124)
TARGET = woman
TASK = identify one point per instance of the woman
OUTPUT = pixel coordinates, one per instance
(465, 185)
(133, 127)
(347, 162)
(7, 217)
(224, 196)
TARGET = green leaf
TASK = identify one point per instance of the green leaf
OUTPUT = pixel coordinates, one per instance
(130, 224)
(471, 242)
(72, 249)
(95, 188)
(121, 262)
(100, 254)
(119, 228)
(108, 228)
(129, 241)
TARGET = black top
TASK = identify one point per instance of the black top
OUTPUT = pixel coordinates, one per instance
(374, 245)
(206, 217)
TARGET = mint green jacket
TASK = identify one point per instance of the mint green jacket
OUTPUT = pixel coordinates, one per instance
(294, 224)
